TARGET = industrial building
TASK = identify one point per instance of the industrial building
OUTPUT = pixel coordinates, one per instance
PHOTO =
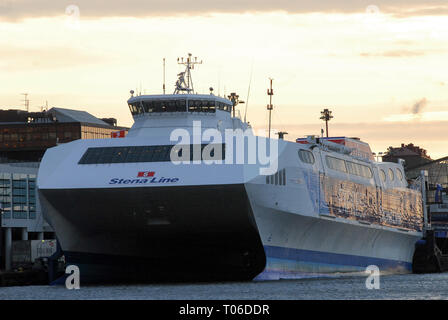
(24, 137)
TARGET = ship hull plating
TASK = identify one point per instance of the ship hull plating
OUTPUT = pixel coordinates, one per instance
(210, 233)
(157, 234)
(297, 246)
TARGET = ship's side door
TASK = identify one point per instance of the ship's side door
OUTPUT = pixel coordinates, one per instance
(321, 174)
(380, 181)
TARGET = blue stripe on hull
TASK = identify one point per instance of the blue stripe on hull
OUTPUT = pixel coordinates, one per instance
(297, 263)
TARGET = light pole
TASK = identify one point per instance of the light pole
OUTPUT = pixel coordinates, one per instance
(326, 116)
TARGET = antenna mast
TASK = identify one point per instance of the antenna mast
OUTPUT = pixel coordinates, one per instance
(181, 84)
(42, 108)
(248, 90)
(163, 75)
(270, 107)
(26, 101)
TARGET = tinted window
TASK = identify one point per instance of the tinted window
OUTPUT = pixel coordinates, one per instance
(224, 107)
(399, 174)
(140, 154)
(158, 106)
(391, 175)
(201, 106)
(336, 164)
(383, 175)
(359, 169)
(306, 156)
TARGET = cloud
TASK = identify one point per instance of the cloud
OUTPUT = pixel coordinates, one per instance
(414, 113)
(26, 58)
(19, 9)
(394, 54)
(419, 105)
(425, 116)
(430, 10)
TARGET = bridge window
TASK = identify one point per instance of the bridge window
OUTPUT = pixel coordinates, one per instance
(136, 108)
(177, 105)
(201, 106)
(133, 109)
(164, 106)
(150, 106)
(224, 107)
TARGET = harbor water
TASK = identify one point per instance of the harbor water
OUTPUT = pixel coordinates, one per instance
(402, 287)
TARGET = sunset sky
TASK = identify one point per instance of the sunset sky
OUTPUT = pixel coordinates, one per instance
(380, 66)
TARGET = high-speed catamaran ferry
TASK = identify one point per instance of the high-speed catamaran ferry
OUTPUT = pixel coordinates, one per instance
(169, 202)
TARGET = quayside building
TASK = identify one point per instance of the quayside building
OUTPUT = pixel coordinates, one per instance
(24, 138)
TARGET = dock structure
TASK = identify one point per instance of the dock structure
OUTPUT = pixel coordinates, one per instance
(431, 253)
(23, 278)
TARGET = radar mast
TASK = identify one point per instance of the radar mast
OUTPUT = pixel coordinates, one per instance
(184, 82)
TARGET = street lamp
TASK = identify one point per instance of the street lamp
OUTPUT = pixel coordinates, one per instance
(326, 116)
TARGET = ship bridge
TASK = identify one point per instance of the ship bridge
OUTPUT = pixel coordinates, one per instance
(174, 103)
(157, 115)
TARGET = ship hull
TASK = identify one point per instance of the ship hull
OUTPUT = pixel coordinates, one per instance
(157, 234)
(210, 233)
(299, 246)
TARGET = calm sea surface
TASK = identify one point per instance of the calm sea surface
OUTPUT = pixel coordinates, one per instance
(410, 286)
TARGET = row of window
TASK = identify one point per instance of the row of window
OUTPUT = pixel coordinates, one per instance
(178, 106)
(16, 191)
(38, 136)
(16, 176)
(359, 170)
(15, 198)
(105, 155)
(279, 178)
(19, 215)
(89, 132)
(349, 167)
(391, 174)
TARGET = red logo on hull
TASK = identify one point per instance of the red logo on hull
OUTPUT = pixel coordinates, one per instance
(143, 174)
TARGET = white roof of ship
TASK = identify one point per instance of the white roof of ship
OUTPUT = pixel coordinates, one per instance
(178, 96)
(69, 115)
